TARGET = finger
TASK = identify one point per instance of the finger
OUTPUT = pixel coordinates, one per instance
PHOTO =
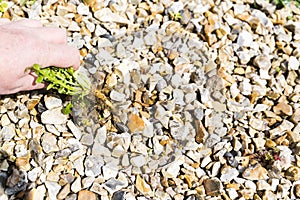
(28, 23)
(61, 55)
(4, 21)
(51, 34)
(28, 83)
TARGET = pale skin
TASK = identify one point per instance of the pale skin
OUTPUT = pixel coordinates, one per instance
(27, 42)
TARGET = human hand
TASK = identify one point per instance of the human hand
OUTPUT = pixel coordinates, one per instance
(27, 42)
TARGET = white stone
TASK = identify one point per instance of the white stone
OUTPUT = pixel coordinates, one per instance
(215, 169)
(138, 161)
(54, 116)
(4, 120)
(74, 27)
(52, 189)
(83, 9)
(87, 182)
(78, 165)
(76, 185)
(104, 42)
(52, 102)
(34, 173)
(74, 129)
(245, 39)
(228, 174)
(232, 193)
(293, 63)
(109, 171)
(106, 15)
(172, 169)
(205, 161)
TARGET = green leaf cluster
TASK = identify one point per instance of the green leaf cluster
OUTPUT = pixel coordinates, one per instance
(64, 80)
(283, 3)
(175, 16)
(3, 6)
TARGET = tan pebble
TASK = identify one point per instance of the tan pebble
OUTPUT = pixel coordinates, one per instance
(78, 18)
(85, 32)
(294, 137)
(225, 196)
(178, 197)
(89, 2)
(244, 16)
(36, 193)
(283, 107)
(195, 165)
(31, 103)
(23, 163)
(235, 186)
(243, 160)
(221, 33)
(64, 192)
(142, 186)
(280, 139)
(296, 116)
(145, 114)
(239, 70)
(83, 52)
(256, 197)
(200, 190)
(297, 190)
(270, 144)
(189, 180)
(298, 159)
(135, 123)
(173, 27)
(173, 54)
(86, 195)
(201, 133)
(6, 15)
(293, 173)
(52, 176)
(287, 49)
(256, 172)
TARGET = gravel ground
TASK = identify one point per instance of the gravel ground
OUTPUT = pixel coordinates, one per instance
(190, 100)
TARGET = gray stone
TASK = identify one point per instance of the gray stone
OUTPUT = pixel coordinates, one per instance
(113, 185)
(117, 96)
(93, 165)
(7, 133)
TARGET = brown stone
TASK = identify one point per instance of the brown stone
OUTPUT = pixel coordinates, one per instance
(201, 133)
(86, 195)
(212, 187)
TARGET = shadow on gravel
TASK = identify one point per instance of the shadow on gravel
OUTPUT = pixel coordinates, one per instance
(13, 181)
